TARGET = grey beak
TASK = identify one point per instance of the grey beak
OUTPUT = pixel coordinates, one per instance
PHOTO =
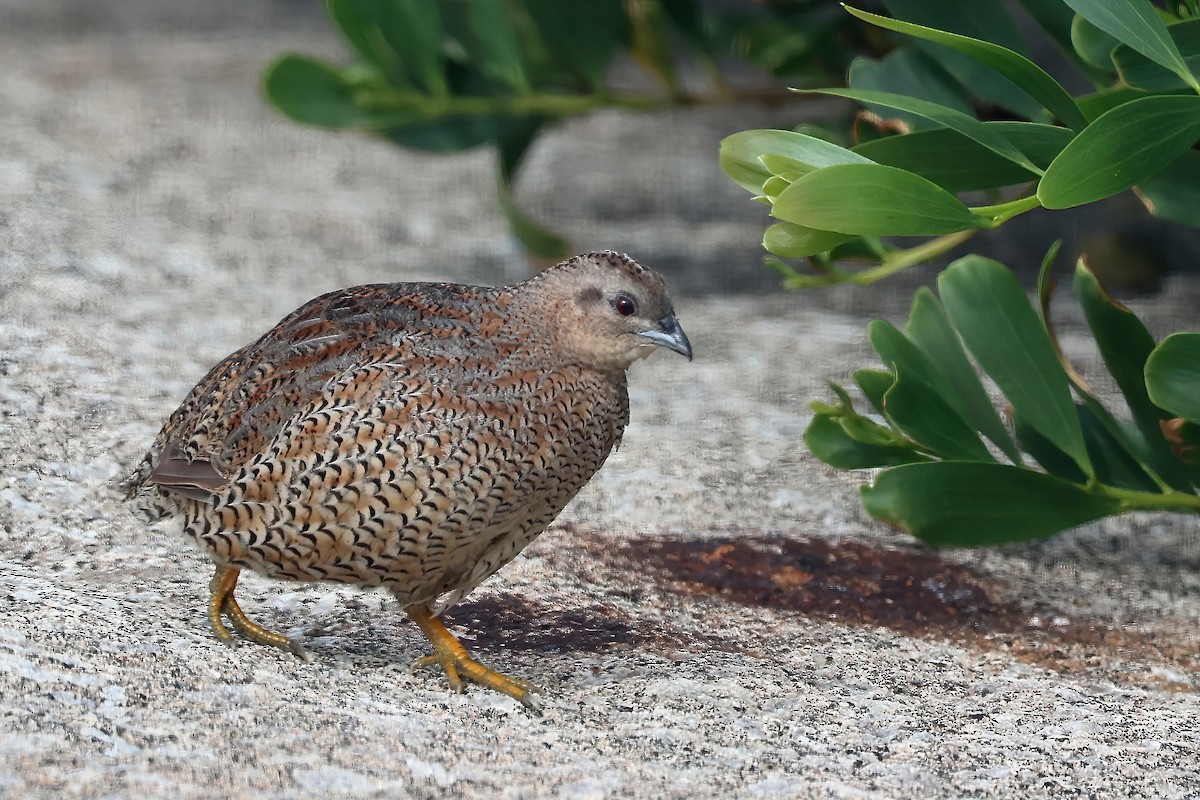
(669, 335)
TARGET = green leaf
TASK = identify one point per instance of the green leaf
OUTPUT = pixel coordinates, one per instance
(774, 187)
(313, 92)
(783, 167)
(959, 164)
(650, 41)
(1137, 70)
(1018, 69)
(1056, 20)
(353, 19)
(1046, 453)
(1124, 344)
(1109, 449)
(538, 240)
(909, 72)
(1129, 144)
(873, 200)
(994, 317)
(1137, 24)
(1097, 104)
(956, 120)
(740, 152)
(983, 83)
(929, 329)
(790, 240)
(905, 358)
(922, 414)
(483, 30)
(583, 37)
(1174, 193)
(989, 20)
(413, 29)
(874, 384)
(1094, 46)
(830, 442)
(948, 503)
(1173, 375)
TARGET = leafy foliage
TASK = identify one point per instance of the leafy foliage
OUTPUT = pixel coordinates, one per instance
(448, 75)
(937, 97)
(945, 485)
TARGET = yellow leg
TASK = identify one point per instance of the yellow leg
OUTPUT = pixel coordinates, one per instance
(222, 600)
(456, 662)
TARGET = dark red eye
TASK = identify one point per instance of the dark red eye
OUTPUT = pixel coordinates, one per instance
(624, 305)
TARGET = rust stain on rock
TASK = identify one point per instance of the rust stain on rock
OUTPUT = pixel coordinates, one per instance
(918, 593)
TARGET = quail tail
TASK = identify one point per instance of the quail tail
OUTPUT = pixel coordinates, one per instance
(456, 662)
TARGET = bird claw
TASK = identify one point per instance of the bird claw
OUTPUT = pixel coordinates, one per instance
(456, 667)
(449, 654)
(224, 602)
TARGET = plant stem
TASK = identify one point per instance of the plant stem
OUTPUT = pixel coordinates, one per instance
(903, 259)
(1003, 212)
(1151, 501)
(413, 106)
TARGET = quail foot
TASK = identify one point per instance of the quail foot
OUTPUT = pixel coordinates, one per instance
(410, 436)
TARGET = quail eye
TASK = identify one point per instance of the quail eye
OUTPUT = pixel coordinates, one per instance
(624, 305)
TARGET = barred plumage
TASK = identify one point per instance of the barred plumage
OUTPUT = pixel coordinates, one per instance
(409, 436)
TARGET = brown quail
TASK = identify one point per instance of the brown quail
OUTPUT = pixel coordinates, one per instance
(411, 436)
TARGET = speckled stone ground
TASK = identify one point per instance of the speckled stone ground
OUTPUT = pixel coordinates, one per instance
(694, 630)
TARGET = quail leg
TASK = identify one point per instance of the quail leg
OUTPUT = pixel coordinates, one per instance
(222, 600)
(453, 658)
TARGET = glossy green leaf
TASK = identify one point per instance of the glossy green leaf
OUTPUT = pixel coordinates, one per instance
(994, 317)
(1056, 20)
(873, 200)
(909, 72)
(1117, 150)
(538, 240)
(1124, 344)
(948, 503)
(904, 357)
(959, 164)
(313, 92)
(988, 20)
(1173, 375)
(783, 167)
(1046, 453)
(919, 411)
(1137, 70)
(1093, 45)
(988, 87)
(1020, 70)
(874, 384)
(1174, 193)
(1098, 103)
(1110, 452)
(774, 186)
(413, 29)
(955, 120)
(789, 240)
(740, 152)
(929, 329)
(650, 41)
(1137, 24)
(354, 20)
(828, 440)
(483, 30)
(583, 37)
